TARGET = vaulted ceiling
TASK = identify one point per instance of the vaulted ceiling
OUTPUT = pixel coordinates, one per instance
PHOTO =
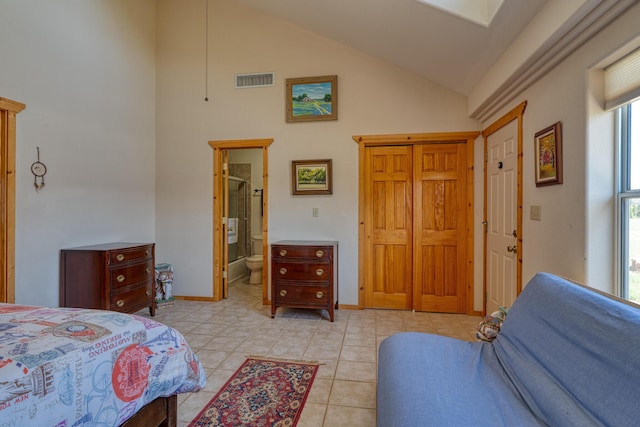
(429, 41)
(440, 42)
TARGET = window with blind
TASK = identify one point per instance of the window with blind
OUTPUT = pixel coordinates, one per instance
(622, 93)
(629, 200)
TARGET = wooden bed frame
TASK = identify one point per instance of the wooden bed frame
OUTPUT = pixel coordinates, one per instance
(162, 412)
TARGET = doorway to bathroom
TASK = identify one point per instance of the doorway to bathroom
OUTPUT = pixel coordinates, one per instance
(240, 213)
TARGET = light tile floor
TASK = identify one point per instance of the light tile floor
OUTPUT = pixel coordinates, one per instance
(224, 333)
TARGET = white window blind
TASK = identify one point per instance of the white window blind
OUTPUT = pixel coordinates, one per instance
(622, 80)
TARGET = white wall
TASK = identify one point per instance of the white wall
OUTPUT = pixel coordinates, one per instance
(576, 235)
(88, 74)
(86, 71)
(374, 98)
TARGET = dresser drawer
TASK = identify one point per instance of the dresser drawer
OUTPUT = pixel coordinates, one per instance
(129, 254)
(136, 273)
(132, 299)
(302, 295)
(317, 252)
(301, 270)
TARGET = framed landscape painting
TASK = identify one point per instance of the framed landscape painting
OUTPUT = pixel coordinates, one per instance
(312, 99)
(311, 177)
(548, 155)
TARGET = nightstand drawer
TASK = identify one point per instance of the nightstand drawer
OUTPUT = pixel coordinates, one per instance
(128, 255)
(303, 295)
(132, 300)
(129, 275)
(311, 252)
(301, 270)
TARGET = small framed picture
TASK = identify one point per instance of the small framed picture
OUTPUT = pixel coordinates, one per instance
(312, 99)
(311, 177)
(548, 155)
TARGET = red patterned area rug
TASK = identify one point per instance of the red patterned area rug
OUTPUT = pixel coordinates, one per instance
(261, 393)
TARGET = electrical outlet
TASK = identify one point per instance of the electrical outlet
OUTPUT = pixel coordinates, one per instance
(536, 213)
(315, 212)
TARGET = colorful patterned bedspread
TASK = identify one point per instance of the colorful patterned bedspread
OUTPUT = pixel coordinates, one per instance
(76, 367)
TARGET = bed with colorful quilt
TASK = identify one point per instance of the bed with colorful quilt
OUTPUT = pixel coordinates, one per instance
(78, 367)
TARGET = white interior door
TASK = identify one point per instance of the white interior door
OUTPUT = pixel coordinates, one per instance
(502, 226)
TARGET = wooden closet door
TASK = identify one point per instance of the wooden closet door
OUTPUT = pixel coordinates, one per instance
(388, 227)
(440, 227)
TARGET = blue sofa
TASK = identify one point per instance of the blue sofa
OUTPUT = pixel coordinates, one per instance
(565, 356)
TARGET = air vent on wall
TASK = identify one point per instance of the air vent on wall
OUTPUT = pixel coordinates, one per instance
(254, 80)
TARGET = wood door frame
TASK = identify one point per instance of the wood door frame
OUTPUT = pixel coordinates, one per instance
(219, 230)
(365, 141)
(8, 111)
(515, 114)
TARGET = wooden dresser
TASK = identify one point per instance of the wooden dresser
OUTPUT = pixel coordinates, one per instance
(304, 274)
(110, 276)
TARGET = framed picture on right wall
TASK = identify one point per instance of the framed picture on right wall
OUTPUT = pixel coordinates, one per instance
(548, 155)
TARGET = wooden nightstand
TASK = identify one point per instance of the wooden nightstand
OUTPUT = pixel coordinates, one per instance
(111, 276)
(304, 274)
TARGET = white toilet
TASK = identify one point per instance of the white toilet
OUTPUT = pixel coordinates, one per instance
(254, 262)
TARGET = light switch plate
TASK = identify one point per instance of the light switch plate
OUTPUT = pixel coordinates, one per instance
(536, 213)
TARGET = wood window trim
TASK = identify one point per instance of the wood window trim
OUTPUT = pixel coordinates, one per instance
(364, 141)
(8, 111)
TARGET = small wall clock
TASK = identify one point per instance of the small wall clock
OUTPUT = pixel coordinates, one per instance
(38, 169)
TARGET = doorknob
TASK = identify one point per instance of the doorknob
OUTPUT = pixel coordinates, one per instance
(513, 249)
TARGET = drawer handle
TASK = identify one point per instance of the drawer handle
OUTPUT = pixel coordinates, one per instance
(120, 303)
(147, 252)
(283, 252)
(120, 278)
(319, 294)
(148, 270)
(319, 272)
(319, 254)
(120, 257)
(283, 271)
(148, 292)
(283, 293)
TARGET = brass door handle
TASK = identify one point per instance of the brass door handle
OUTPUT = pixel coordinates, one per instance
(120, 257)
(120, 303)
(283, 271)
(319, 294)
(513, 249)
(120, 278)
(283, 293)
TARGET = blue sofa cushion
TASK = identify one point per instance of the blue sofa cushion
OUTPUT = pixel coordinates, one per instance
(573, 354)
(431, 380)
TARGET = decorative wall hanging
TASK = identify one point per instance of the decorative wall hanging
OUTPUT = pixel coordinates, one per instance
(38, 169)
(312, 99)
(311, 177)
(548, 155)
